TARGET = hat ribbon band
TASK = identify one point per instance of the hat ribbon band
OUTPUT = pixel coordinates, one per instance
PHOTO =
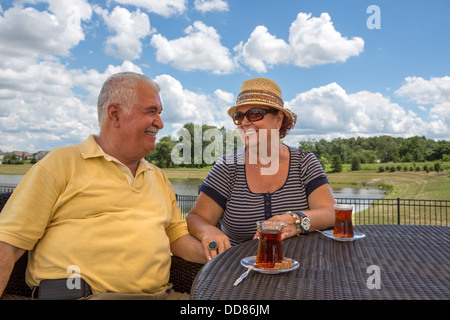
(259, 96)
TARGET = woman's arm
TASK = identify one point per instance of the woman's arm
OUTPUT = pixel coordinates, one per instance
(320, 213)
(321, 208)
(202, 221)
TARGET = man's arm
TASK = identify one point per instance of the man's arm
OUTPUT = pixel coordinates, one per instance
(8, 257)
(188, 248)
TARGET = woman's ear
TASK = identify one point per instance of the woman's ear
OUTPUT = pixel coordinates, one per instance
(279, 119)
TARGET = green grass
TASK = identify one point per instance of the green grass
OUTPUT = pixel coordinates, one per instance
(186, 173)
(375, 166)
(15, 168)
(399, 184)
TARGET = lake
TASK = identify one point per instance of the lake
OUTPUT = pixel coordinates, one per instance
(190, 187)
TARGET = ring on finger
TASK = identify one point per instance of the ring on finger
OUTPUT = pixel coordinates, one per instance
(213, 245)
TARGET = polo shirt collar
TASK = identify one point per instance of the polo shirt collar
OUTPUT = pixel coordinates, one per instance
(90, 149)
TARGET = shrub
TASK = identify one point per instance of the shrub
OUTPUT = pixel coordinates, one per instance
(437, 166)
(356, 164)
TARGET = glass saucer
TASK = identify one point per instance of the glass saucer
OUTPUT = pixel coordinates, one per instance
(329, 234)
(251, 261)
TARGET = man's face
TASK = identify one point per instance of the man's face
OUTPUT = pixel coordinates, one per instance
(143, 123)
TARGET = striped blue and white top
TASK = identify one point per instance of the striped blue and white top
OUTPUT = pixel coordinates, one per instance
(227, 185)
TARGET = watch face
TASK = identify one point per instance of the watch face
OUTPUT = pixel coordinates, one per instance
(306, 224)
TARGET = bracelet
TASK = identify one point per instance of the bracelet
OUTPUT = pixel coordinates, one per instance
(297, 222)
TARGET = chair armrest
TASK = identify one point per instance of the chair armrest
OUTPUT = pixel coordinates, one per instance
(183, 273)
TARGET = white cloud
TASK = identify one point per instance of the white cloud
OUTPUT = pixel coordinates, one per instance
(199, 50)
(165, 8)
(40, 109)
(44, 109)
(312, 41)
(26, 32)
(262, 50)
(330, 112)
(182, 106)
(130, 28)
(210, 5)
(435, 91)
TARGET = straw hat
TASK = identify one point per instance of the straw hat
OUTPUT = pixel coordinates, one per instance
(261, 91)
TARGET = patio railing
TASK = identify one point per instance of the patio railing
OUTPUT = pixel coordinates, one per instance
(4, 188)
(367, 211)
(399, 211)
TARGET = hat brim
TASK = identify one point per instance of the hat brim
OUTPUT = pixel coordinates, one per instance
(234, 108)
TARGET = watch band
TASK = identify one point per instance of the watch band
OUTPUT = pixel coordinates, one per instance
(305, 222)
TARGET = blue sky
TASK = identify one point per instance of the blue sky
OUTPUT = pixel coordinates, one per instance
(342, 78)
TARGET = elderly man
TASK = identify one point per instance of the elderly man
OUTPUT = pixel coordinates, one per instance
(98, 210)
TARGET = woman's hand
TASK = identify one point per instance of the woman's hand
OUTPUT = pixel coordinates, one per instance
(217, 236)
(289, 227)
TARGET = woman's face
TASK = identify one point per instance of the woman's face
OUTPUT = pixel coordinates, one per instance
(258, 131)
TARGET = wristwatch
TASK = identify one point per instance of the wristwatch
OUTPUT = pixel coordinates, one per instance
(303, 224)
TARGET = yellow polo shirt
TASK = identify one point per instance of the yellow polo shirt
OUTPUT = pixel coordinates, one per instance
(79, 207)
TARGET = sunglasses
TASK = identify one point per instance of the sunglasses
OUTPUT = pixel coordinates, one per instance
(253, 114)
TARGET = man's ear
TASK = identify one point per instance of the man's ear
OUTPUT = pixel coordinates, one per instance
(113, 112)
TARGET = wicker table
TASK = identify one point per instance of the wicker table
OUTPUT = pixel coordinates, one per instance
(404, 262)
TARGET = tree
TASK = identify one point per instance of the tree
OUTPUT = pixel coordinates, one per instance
(386, 149)
(356, 163)
(161, 156)
(336, 164)
(411, 149)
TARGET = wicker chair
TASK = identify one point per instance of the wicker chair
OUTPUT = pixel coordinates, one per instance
(182, 272)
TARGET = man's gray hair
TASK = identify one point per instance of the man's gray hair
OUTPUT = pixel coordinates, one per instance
(121, 88)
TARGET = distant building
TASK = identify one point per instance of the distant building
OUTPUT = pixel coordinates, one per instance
(40, 154)
(21, 155)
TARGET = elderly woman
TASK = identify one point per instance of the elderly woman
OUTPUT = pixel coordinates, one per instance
(264, 180)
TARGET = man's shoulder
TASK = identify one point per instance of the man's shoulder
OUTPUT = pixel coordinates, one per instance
(156, 170)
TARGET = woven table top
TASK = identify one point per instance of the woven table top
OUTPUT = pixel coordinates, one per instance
(412, 262)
